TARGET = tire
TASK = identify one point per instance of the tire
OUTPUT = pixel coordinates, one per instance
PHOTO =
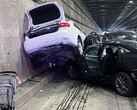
(84, 71)
(36, 61)
(77, 51)
(124, 85)
(72, 71)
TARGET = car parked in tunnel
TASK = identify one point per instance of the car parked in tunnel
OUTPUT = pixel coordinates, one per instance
(114, 61)
(122, 35)
(50, 38)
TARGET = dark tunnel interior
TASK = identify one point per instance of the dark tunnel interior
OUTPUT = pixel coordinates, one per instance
(113, 14)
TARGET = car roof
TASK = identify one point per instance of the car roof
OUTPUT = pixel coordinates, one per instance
(120, 32)
(122, 43)
(119, 41)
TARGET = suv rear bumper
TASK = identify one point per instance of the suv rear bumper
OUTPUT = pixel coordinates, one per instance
(44, 42)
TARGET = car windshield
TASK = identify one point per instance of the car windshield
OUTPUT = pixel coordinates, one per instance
(45, 14)
(121, 36)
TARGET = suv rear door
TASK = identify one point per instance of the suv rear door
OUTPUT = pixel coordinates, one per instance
(45, 14)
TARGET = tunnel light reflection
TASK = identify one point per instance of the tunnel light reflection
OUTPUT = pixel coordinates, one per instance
(134, 36)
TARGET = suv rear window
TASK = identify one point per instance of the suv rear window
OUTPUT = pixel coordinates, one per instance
(44, 14)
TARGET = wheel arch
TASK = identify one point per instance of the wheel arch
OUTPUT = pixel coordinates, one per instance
(119, 71)
(122, 70)
(79, 37)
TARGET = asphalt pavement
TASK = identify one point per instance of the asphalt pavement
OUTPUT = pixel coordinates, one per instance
(63, 93)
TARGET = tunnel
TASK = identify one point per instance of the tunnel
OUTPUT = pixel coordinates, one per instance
(100, 16)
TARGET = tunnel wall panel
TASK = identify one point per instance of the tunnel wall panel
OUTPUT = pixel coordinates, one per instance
(13, 23)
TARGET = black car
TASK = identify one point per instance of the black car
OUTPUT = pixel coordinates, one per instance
(115, 60)
(92, 38)
(125, 35)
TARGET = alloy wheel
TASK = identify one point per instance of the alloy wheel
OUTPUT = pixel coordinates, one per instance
(122, 84)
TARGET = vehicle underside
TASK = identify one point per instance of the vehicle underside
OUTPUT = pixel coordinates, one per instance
(58, 54)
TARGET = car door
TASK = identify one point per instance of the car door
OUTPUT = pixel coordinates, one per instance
(123, 60)
(108, 59)
(92, 60)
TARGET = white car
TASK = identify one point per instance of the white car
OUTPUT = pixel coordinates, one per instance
(49, 37)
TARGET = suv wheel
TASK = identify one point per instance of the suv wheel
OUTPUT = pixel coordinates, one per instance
(78, 50)
(124, 84)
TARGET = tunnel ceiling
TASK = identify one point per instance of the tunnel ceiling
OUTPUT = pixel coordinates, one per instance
(113, 14)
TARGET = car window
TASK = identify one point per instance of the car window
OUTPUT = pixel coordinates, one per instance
(114, 49)
(122, 50)
(121, 37)
(98, 38)
(93, 51)
(104, 51)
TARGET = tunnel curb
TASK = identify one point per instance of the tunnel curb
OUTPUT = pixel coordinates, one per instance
(27, 95)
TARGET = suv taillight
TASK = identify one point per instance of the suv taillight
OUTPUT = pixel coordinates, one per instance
(64, 25)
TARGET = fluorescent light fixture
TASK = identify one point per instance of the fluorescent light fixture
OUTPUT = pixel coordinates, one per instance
(130, 1)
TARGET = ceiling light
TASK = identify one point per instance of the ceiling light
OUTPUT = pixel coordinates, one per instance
(102, 10)
(102, 6)
(130, 1)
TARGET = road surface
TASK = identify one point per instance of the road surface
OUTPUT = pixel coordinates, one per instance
(65, 94)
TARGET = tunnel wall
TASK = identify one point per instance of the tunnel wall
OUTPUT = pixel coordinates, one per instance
(13, 23)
